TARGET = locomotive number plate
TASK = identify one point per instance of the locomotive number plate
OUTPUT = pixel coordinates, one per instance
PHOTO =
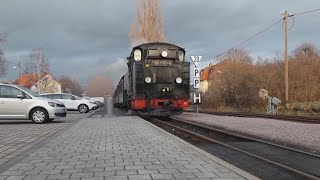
(161, 62)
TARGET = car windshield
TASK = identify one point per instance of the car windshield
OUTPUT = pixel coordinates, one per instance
(29, 91)
(76, 97)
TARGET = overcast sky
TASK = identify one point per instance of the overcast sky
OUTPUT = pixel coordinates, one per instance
(82, 38)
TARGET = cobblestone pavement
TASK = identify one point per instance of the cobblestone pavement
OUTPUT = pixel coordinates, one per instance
(118, 148)
(19, 138)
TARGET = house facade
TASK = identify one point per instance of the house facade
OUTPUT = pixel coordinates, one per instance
(206, 75)
(45, 83)
(211, 72)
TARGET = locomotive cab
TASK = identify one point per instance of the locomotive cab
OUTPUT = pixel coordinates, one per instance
(158, 79)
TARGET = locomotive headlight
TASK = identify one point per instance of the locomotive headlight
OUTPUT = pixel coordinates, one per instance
(181, 55)
(179, 80)
(164, 53)
(137, 55)
(147, 80)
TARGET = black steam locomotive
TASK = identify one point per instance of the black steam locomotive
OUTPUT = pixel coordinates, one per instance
(157, 81)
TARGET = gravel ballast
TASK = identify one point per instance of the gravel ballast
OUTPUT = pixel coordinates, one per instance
(304, 135)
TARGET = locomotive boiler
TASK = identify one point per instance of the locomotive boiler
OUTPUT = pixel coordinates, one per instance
(157, 80)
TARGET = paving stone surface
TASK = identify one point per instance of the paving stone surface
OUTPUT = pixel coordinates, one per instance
(120, 147)
(19, 136)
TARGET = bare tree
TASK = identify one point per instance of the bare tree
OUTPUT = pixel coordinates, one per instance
(148, 26)
(71, 85)
(38, 65)
(240, 55)
(305, 51)
(3, 38)
(3, 64)
(100, 86)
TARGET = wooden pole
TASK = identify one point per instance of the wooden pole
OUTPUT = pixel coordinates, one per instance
(286, 60)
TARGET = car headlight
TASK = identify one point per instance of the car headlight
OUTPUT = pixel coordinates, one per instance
(52, 104)
(137, 54)
(147, 80)
(178, 80)
(181, 55)
(164, 53)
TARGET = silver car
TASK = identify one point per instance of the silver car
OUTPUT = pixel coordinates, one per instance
(17, 102)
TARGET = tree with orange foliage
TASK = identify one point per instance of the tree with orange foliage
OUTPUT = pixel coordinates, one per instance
(237, 84)
(234, 82)
(99, 86)
(148, 26)
(234, 86)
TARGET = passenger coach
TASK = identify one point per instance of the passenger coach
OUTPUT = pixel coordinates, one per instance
(157, 81)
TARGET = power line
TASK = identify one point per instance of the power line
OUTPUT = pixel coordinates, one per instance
(293, 21)
(259, 33)
(305, 12)
(255, 35)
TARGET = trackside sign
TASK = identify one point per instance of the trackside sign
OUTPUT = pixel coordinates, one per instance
(196, 79)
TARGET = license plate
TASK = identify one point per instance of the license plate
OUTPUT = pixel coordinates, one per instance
(161, 62)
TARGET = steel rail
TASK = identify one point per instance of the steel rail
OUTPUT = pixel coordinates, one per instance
(247, 137)
(301, 119)
(301, 173)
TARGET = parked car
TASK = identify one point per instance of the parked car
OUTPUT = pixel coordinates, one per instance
(99, 104)
(17, 102)
(72, 102)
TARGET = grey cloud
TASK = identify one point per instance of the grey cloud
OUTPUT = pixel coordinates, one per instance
(82, 38)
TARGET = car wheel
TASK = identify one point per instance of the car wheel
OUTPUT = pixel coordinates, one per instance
(39, 116)
(83, 108)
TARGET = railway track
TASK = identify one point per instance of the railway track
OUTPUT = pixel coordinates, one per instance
(302, 119)
(302, 164)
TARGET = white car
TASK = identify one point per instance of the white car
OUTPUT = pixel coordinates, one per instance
(72, 102)
(17, 102)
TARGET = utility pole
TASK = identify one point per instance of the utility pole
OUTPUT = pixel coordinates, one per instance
(286, 15)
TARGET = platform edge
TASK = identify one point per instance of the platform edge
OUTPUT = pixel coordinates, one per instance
(210, 156)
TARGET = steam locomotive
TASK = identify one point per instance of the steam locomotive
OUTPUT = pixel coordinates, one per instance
(157, 80)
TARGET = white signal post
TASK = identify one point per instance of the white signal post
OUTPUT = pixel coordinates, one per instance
(196, 81)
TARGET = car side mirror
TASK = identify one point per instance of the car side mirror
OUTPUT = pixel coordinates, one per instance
(21, 96)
